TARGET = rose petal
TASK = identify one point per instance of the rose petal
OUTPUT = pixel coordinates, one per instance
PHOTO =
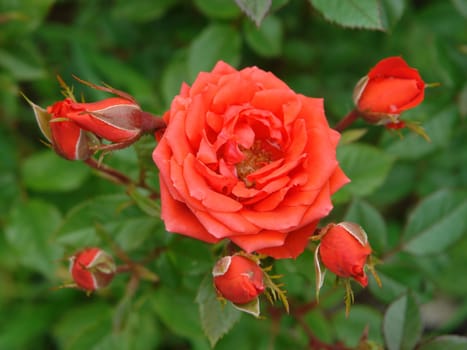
(198, 189)
(265, 238)
(178, 218)
(294, 244)
(282, 218)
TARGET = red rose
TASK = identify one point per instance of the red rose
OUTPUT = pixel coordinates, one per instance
(247, 159)
(390, 88)
(238, 279)
(92, 269)
(344, 250)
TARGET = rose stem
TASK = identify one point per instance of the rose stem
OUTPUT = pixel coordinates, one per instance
(116, 176)
(347, 120)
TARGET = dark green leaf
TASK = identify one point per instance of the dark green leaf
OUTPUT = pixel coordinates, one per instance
(437, 222)
(47, 172)
(141, 11)
(266, 40)
(255, 9)
(402, 325)
(351, 13)
(216, 318)
(216, 42)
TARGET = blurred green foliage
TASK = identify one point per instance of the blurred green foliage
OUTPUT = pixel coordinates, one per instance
(409, 195)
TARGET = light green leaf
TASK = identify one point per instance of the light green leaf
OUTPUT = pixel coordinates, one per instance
(47, 172)
(266, 40)
(29, 233)
(402, 325)
(351, 13)
(19, 68)
(216, 318)
(366, 166)
(461, 6)
(436, 223)
(216, 42)
(446, 342)
(372, 222)
(220, 9)
(255, 9)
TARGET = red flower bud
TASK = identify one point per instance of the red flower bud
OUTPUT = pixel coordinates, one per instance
(92, 269)
(390, 88)
(344, 250)
(115, 119)
(238, 279)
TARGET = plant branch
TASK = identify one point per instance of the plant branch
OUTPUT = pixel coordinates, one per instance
(347, 120)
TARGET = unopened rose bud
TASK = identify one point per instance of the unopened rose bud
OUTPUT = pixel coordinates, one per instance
(115, 119)
(390, 88)
(344, 250)
(92, 269)
(238, 279)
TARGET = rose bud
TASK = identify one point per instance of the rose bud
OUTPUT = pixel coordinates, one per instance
(238, 279)
(92, 269)
(115, 119)
(390, 88)
(344, 250)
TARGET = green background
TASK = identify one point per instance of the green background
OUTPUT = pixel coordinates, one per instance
(409, 195)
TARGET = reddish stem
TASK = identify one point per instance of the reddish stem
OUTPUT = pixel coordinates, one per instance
(347, 120)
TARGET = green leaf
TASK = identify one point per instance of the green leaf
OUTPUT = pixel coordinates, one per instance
(445, 342)
(266, 40)
(350, 329)
(366, 166)
(393, 11)
(178, 311)
(83, 326)
(372, 222)
(216, 42)
(436, 223)
(109, 211)
(174, 74)
(439, 128)
(141, 11)
(255, 9)
(351, 13)
(402, 325)
(47, 172)
(461, 6)
(19, 68)
(220, 9)
(216, 318)
(29, 232)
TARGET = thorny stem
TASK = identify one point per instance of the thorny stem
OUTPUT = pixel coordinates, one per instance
(347, 120)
